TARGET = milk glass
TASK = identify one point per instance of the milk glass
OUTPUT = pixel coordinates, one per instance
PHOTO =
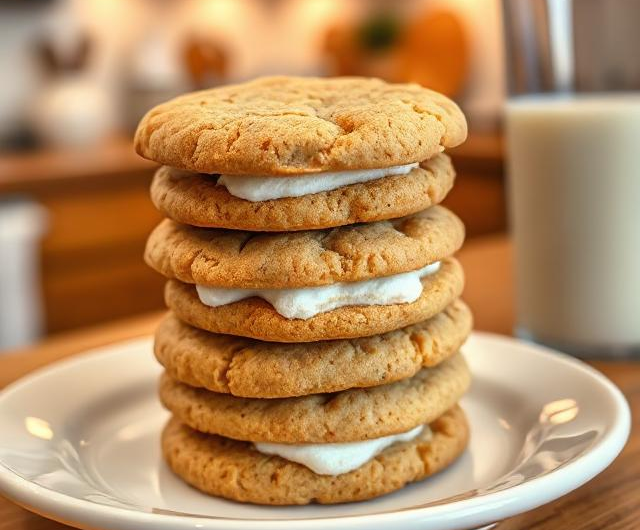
(574, 191)
(573, 164)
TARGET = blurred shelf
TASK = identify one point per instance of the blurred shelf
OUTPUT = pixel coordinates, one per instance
(39, 170)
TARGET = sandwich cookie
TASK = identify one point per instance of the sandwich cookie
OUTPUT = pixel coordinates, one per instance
(255, 369)
(256, 318)
(314, 285)
(347, 416)
(306, 202)
(289, 125)
(238, 471)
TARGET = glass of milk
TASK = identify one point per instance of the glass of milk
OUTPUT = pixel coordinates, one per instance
(573, 163)
(574, 191)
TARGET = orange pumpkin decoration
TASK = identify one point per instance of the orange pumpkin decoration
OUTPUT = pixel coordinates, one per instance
(431, 50)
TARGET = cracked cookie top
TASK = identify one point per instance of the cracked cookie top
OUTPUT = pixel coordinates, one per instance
(251, 260)
(293, 125)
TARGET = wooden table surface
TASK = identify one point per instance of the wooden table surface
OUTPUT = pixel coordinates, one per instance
(610, 501)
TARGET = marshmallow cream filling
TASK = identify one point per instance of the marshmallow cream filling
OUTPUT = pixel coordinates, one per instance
(307, 302)
(264, 188)
(337, 458)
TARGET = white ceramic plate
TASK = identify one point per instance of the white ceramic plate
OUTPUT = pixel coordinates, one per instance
(79, 444)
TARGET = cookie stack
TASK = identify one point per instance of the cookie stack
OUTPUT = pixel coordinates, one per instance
(311, 351)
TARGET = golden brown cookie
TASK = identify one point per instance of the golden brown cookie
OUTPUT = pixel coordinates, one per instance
(229, 258)
(257, 319)
(347, 416)
(195, 199)
(235, 470)
(250, 368)
(285, 125)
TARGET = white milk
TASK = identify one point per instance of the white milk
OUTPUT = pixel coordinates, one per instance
(574, 171)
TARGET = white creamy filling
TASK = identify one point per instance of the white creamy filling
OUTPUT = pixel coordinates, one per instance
(265, 188)
(307, 302)
(338, 458)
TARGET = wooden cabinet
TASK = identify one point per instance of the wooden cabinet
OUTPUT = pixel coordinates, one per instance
(478, 196)
(99, 215)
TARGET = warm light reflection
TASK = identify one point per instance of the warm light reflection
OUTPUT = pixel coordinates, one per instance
(313, 10)
(221, 11)
(38, 427)
(129, 432)
(560, 411)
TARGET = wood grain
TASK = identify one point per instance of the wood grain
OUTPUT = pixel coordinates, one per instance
(611, 501)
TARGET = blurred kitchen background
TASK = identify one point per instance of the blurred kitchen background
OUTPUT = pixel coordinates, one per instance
(78, 74)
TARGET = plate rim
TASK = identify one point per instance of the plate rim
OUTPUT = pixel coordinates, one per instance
(472, 511)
